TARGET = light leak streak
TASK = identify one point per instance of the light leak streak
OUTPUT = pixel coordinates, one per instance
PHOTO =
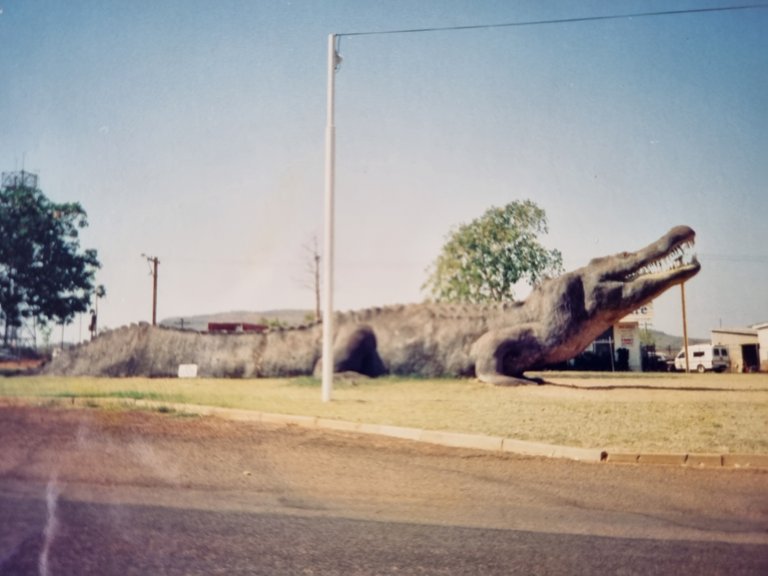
(52, 493)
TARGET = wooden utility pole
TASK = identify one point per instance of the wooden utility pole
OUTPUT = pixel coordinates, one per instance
(154, 261)
(99, 293)
(685, 328)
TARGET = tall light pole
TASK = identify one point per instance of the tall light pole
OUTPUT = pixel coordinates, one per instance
(330, 159)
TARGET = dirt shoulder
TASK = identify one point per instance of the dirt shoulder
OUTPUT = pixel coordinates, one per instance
(96, 491)
(206, 462)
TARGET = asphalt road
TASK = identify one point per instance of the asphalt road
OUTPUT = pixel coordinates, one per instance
(97, 492)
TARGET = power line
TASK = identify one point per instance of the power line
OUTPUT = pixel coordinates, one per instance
(557, 20)
(748, 258)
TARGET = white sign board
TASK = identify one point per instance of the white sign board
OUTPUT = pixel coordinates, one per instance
(187, 370)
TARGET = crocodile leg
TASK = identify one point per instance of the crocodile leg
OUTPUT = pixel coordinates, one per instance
(355, 350)
(502, 356)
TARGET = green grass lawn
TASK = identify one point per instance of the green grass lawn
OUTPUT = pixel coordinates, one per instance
(631, 412)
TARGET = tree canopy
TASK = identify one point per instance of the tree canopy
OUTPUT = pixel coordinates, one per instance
(483, 260)
(43, 273)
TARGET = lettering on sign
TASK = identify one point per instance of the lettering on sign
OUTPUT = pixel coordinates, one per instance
(643, 315)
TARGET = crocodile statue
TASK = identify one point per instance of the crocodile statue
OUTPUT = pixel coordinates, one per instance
(496, 343)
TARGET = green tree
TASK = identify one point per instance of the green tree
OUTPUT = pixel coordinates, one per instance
(483, 260)
(43, 273)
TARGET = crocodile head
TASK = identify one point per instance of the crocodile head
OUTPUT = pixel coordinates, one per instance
(575, 308)
(616, 285)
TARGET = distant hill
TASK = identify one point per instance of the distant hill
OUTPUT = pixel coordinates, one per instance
(668, 344)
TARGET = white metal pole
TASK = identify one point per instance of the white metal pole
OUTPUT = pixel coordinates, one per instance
(330, 153)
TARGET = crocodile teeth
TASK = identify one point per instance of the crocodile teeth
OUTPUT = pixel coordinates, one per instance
(678, 257)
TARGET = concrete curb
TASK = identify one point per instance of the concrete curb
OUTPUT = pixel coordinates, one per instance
(448, 439)
(691, 460)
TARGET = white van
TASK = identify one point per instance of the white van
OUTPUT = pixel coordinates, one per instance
(703, 357)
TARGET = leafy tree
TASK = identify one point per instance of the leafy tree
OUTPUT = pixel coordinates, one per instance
(43, 273)
(483, 260)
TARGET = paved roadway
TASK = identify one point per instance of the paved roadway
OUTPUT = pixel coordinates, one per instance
(94, 492)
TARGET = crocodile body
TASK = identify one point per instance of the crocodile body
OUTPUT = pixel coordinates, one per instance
(497, 343)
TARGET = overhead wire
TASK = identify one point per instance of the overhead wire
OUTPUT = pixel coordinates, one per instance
(557, 20)
(650, 14)
(746, 258)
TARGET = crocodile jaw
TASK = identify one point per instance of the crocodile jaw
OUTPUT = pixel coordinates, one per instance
(622, 282)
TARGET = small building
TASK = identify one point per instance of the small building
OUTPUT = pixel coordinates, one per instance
(233, 327)
(623, 335)
(762, 342)
(627, 335)
(743, 347)
(620, 348)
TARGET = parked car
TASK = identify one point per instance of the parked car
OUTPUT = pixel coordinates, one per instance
(704, 358)
(657, 362)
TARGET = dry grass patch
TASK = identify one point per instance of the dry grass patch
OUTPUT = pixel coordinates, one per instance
(681, 413)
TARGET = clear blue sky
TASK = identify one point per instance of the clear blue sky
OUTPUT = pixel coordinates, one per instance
(194, 131)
